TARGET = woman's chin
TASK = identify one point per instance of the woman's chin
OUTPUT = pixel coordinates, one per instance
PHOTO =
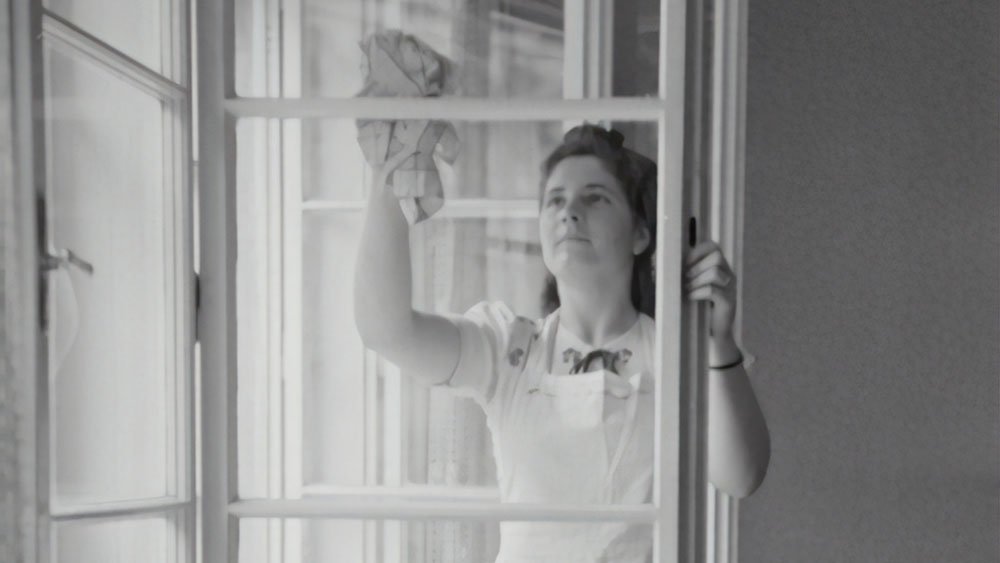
(573, 263)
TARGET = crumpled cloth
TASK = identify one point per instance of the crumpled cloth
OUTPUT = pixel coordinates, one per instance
(400, 65)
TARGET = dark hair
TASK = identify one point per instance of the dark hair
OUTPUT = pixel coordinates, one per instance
(637, 176)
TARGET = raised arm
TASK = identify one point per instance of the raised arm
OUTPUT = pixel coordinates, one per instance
(426, 345)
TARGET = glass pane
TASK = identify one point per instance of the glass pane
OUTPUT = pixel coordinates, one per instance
(443, 541)
(150, 539)
(134, 27)
(114, 334)
(495, 160)
(362, 424)
(254, 315)
(500, 49)
(448, 443)
(333, 368)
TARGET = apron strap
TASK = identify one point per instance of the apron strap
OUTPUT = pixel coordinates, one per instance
(628, 427)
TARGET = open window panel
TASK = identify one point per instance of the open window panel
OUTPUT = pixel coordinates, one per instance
(116, 445)
(306, 435)
(317, 413)
(324, 425)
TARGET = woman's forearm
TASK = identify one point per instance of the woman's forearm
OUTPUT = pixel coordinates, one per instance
(383, 305)
(739, 446)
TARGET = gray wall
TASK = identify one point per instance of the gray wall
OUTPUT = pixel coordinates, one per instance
(872, 294)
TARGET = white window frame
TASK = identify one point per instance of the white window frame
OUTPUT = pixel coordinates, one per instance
(219, 109)
(32, 26)
(727, 193)
(679, 495)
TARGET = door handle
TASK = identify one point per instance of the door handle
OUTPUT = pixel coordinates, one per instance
(66, 257)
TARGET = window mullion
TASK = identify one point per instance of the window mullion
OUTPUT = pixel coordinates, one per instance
(728, 131)
(679, 484)
(450, 108)
(217, 318)
(463, 208)
(285, 79)
(389, 508)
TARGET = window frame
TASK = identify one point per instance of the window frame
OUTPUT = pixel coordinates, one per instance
(219, 109)
(680, 488)
(33, 29)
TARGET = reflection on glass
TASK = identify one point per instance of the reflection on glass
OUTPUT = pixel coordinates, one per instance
(256, 345)
(150, 539)
(413, 541)
(134, 27)
(364, 423)
(334, 384)
(496, 160)
(502, 48)
(440, 440)
(113, 331)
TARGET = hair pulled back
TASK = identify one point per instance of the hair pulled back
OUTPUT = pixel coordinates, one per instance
(637, 176)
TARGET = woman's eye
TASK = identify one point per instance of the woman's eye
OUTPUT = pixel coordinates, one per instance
(555, 200)
(597, 198)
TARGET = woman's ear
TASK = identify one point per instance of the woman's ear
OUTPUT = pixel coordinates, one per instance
(642, 239)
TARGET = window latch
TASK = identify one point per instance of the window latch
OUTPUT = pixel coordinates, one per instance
(66, 257)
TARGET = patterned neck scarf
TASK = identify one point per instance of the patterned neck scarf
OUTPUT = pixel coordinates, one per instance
(609, 360)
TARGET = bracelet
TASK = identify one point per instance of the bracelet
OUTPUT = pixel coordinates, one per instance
(727, 366)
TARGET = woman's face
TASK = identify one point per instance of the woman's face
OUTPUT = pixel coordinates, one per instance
(586, 224)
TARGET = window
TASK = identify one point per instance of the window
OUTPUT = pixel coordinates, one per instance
(300, 444)
(116, 449)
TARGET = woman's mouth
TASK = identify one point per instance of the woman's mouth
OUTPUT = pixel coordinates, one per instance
(574, 238)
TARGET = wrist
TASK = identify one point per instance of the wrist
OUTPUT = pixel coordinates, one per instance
(723, 351)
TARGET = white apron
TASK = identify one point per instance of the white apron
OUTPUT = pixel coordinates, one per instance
(563, 442)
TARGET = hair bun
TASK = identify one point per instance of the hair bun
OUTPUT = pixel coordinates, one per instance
(589, 133)
(616, 138)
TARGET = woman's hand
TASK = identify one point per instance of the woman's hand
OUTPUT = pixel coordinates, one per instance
(707, 276)
(739, 446)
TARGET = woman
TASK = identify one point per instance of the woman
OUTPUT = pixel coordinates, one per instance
(568, 397)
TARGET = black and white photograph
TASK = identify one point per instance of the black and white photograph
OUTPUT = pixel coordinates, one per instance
(499, 281)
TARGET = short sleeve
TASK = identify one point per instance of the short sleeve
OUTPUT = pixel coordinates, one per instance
(484, 330)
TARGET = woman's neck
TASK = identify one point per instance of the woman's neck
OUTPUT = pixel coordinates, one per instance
(598, 313)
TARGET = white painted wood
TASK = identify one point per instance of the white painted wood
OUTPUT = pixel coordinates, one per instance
(453, 108)
(178, 209)
(575, 50)
(600, 44)
(452, 209)
(285, 403)
(376, 507)
(728, 124)
(679, 487)
(669, 111)
(411, 492)
(394, 456)
(63, 33)
(285, 16)
(119, 509)
(217, 322)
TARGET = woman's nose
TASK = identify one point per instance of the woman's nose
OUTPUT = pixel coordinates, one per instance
(571, 212)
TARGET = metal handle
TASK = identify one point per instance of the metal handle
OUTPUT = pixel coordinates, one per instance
(65, 256)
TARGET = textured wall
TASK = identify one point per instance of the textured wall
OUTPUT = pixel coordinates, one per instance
(872, 294)
(9, 493)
